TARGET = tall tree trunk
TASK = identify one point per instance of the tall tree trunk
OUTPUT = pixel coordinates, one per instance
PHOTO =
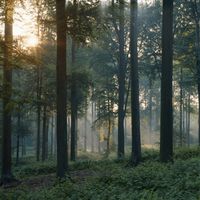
(39, 84)
(62, 157)
(109, 130)
(38, 118)
(74, 108)
(52, 135)
(18, 136)
(108, 137)
(23, 146)
(85, 132)
(47, 139)
(166, 132)
(135, 108)
(121, 80)
(197, 46)
(6, 175)
(181, 108)
(150, 108)
(92, 130)
(188, 122)
(184, 120)
(45, 134)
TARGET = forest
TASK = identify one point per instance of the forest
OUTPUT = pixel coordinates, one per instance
(100, 99)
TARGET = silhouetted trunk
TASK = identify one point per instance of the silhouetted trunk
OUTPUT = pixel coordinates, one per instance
(150, 108)
(52, 135)
(197, 46)
(99, 143)
(109, 130)
(166, 132)
(181, 108)
(157, 112)
(62, 158)
(74, 108)
(188, 120)
(99, 139)
(18, 137)
(85, 132)
(23, 146)
(135, 108)
(6, 175)
(92, 129)
(108, 137)
(38, 123)
(184, 120)
(39, 87)
(121, 81)
(45, 134)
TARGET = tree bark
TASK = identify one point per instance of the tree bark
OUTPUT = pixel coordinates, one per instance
(85, 132)
(197, 46)
(18, 137)
(45, 134)
(52, 135)
(74, 108)
(121, 81)
(62, 157)
(135, 108)
(181, 109)
(188, 122)
(92, 130)
(150, 108)
(6, 174)
(166, 132)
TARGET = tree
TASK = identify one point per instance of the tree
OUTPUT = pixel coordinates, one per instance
(62, 158)
(135, 108)
(196, 18)
(166, 132)
(74, 109)
(6, 175)
(121, 79)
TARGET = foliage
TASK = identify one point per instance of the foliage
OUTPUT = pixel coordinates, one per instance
(35, 169)
(108, 179)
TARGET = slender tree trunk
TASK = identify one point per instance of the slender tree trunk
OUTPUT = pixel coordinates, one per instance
(108, 137)
(44, 133)
(184, 121)
(23, 146)
(150, 109)
(39, 87)
(166, 132)
(181, 108)
(85, 133)
(99, 132)
(109, 130)
(188, 124)
(62, 147)
(92, 130)
(121, 80)
(47, 139)
(17, 150)
(135, 108)
(197, 46)
(74, 108)
(52, 135)
(6, 175)
(18, 137)
(38, 124)
(99, 143)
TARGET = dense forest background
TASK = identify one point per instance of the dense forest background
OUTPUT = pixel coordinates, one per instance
(92, 80)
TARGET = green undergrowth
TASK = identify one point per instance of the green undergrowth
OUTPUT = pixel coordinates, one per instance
(117, 180)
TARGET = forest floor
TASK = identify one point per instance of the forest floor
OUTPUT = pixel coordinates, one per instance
(110, 179)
